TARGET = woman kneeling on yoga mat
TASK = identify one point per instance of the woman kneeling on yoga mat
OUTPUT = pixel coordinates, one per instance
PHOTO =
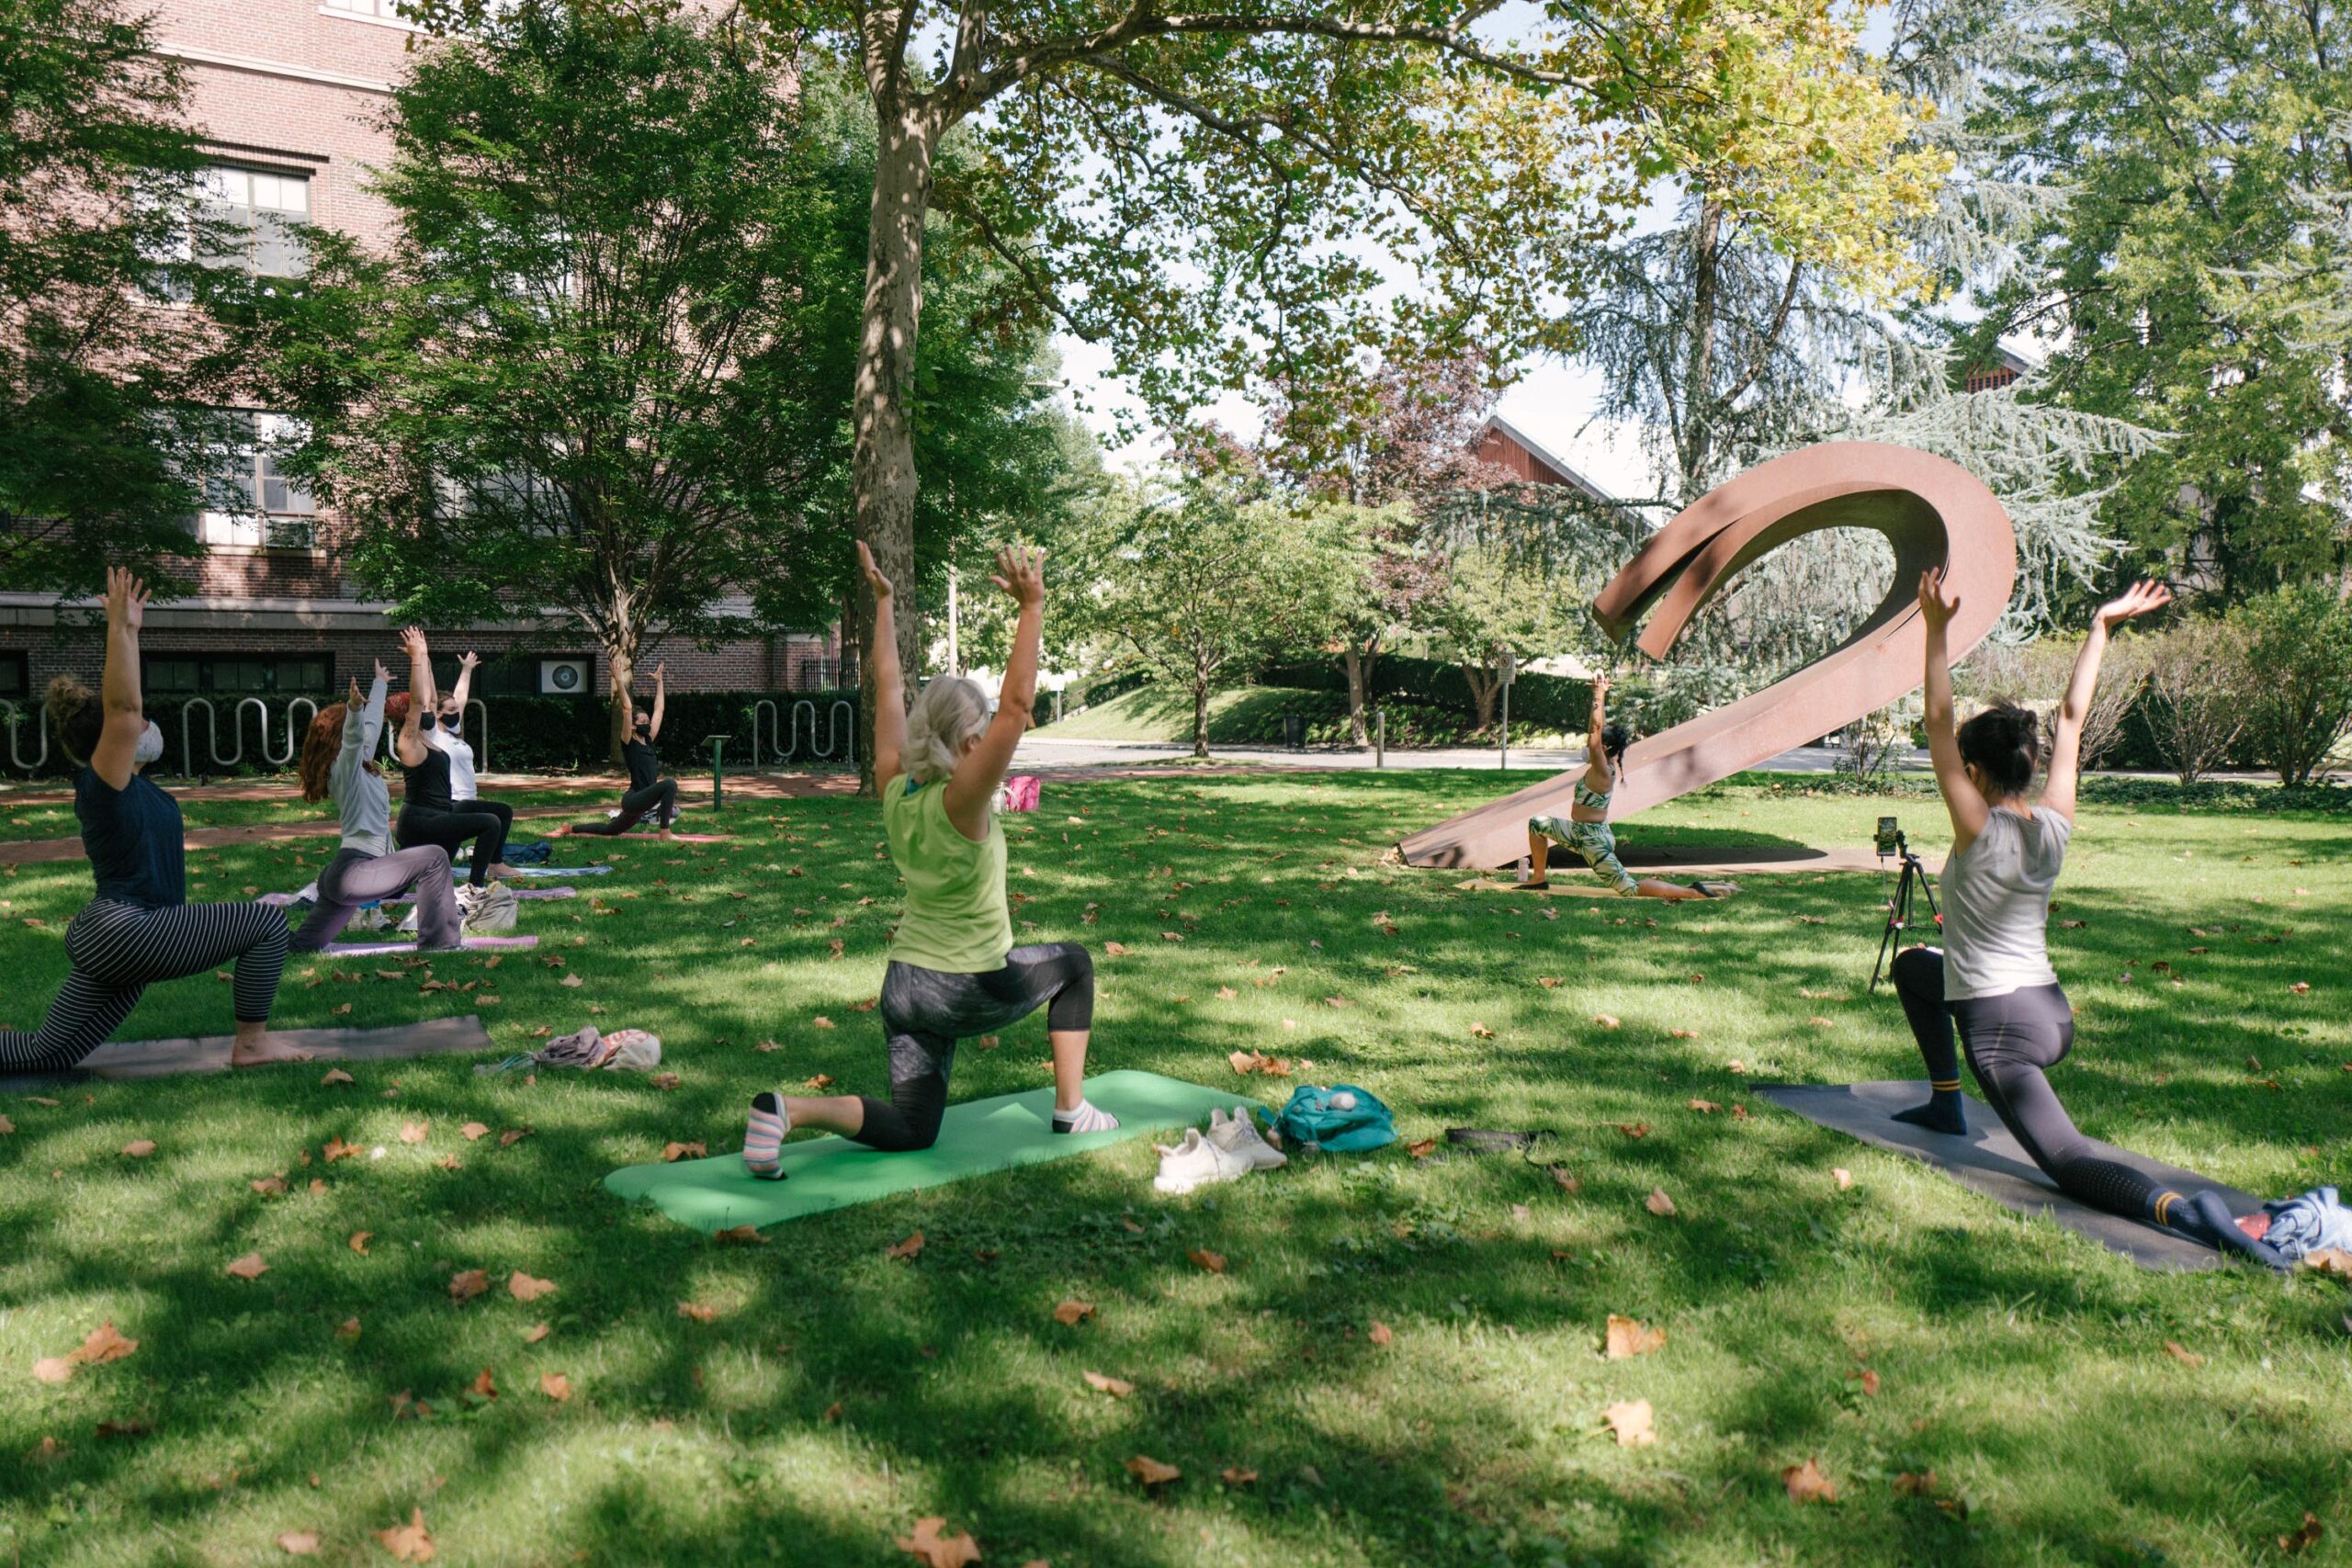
(953, 970)
(429, 813)
(444, 730)
(1993, 975)
(338, 763)
(649, 791)
(141, 928)
(1585, 829)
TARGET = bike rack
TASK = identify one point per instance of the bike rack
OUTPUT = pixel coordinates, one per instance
(212, 735)
(790, 723)
(293, 733)
(15, 720)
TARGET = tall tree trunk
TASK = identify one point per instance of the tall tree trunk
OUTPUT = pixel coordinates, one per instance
(1353, 658)
(620, 659)
(1699, 370)
(1485, 686)
(882, 466)
(1201, 675)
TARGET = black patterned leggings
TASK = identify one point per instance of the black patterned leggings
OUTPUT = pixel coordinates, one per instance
(927, 1011)
(118, 950)
(657, 800)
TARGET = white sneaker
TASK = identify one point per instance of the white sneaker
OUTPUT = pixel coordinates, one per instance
(1194, 1162)
(1238, 1135)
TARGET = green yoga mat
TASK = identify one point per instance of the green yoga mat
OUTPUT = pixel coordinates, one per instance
(977, 1136)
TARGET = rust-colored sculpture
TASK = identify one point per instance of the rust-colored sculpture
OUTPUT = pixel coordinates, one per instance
(1934, 512)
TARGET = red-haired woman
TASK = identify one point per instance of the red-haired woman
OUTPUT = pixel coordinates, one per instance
(338, 764)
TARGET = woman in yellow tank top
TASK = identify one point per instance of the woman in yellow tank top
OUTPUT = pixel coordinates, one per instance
(954, 972)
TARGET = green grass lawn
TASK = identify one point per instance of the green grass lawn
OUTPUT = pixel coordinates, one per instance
(836, 1395)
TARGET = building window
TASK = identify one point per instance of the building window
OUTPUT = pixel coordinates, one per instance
(255, 219)
(256, 502)
(237, 674)
(503, 674)
(15, 677)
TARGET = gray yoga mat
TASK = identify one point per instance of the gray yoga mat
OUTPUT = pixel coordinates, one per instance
(163, 1058)
(1988, 1161)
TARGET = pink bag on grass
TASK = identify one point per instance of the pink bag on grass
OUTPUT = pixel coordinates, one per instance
(1020, 794)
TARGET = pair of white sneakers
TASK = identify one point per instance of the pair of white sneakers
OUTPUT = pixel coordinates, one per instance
(1230, 1150)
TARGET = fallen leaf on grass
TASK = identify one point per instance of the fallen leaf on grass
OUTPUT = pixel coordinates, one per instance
(821, 1081)
(556, 1386)
(1226, 993)
(299, 1543)
(740, 1235)
(2181, 1353)
(911, 1248)
(52, 1369)
(2293, 1544)
(409, 1542)
(465, 1285)
(1629, 1422)
(673, 1152)
(1704, 1107)
(665, 1081)
(1606, 1021)
(821, 1022)
(514, 1135)
(574, 981)
(270, 1186)
(1117, 949)
(1916, 1484)
(1117, 1388)
(1658, 1204)
(347, 1329)
(249, 1267)
(1808, 1485)
(697, 1311)
(523, 1288)
(1549, 982)
(2300, 987)
(1843, 1177)
(475, 1132)
(1629, 1338)
(102, 1346)
(1480, 1032)
(1684, 1034)
(1868, 1379)
(1234, 1475)
(937, 1551)
(1422, 1149)
(1634, 1129)
(1072, 1313)
(1151, 1472)
(338, 1149)
(536, 1333)
(485, 1386)
(140, 1148)
(1212, 1261)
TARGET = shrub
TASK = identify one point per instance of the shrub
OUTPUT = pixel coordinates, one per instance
(2298, 649)
(2197, 695)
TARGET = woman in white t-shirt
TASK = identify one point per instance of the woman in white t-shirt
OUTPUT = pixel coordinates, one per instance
(1993, 978)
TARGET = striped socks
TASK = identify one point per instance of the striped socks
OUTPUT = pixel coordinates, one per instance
(764, 1137)
(1085, 1119)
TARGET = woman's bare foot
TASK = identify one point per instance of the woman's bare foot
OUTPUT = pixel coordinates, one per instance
(665, 835)
(258, 1048)
(560, 831)
(502, 869)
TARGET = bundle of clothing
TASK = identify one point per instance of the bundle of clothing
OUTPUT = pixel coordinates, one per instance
(622, 1051)
(2316, 1222)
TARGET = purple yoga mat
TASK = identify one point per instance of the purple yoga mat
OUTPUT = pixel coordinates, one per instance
(362, 949)
(518, 892)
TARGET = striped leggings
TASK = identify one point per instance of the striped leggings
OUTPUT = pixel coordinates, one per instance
(118, 950)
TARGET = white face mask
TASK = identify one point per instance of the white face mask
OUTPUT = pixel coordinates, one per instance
(150, 747)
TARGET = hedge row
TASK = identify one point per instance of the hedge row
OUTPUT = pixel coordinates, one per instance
(554, 734)
(1549, 702)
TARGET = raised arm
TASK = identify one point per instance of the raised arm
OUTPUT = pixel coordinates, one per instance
(660, 701)
(1022, 573)
(409, 746)
(464, 690)
(2066, 746)
(1962, 799)
(1595, 758)
(889, 685)
(364, 724)
(116, 757)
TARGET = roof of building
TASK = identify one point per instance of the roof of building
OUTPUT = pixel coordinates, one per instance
(1542, 454)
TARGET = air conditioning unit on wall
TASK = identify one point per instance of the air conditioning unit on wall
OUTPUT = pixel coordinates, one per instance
(564, 677)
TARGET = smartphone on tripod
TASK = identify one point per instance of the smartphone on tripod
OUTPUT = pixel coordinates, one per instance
(1910, 885)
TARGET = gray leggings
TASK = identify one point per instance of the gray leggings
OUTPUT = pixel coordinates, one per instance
(118, 949)
(927, 1011)
(354, 877)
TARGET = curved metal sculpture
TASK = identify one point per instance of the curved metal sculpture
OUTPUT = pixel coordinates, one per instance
(764, 755)
(1933, 512)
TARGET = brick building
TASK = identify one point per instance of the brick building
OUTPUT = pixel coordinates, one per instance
(290, 94)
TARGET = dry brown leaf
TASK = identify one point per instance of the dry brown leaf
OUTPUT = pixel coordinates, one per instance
(1381, 1333)
(1212, 1261)
(270, 1186)
(409, 1542)
(937, 1551)
(673, 1152)
(665, 1081)
(698, 1311)
(740, 1235)
(1117, 1388)
(556, 1386)
(475, 1132)
(1843, 1177)
(821, 1022)
(448, 1162)
(52, 1369)
(1234, 1475)
(347, 1329)
(523, 1288)
(1916, 1484)
(1226, 993)
(1422, 1149)
(414, 1131)
(1634, 1129)
(1606, 1021)
(140, 1148)
(338, 1149)
(1117, 949)
(1808, 1485)
(468, 1283)
(1480, 1032)
(2311, 1532)
(1073, 1313)
(102, 1346)
(1868, 1379)
(1629, 1338)
(1658, 1204)
(249, 1267)
(486, 1386)
(1548, 982)
(1151, 1472)
(1629, 1422)
(2181, 1353)
(911, 1248)
(1704, 1107)
(299, 1543)
(514, 1135)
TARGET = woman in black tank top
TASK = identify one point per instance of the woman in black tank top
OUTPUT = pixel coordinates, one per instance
(648, 793)
(427, 814)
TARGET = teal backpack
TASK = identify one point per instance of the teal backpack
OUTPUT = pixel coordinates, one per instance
(1311, 1122)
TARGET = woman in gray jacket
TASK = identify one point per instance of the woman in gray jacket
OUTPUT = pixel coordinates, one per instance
(338, 763)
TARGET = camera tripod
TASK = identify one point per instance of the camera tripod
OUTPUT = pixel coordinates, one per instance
(1913, 882)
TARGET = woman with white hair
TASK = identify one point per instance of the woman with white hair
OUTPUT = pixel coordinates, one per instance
(953, 970)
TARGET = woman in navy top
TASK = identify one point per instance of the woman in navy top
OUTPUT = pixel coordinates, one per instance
(648, 793)
(141, 928)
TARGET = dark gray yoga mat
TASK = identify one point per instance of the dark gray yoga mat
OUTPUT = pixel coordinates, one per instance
(163, 1059)
(1989, 1161)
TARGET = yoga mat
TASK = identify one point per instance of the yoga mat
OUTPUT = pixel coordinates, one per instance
(362, 949)
(700, 838)
(162, 1058)
(977, 1136)
(1988, 1161)
(561, 869)
(518, 892)
(1560, 885)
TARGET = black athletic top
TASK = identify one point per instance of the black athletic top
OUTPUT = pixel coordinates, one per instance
(428, 783)
(644, 767)
(135, 839)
